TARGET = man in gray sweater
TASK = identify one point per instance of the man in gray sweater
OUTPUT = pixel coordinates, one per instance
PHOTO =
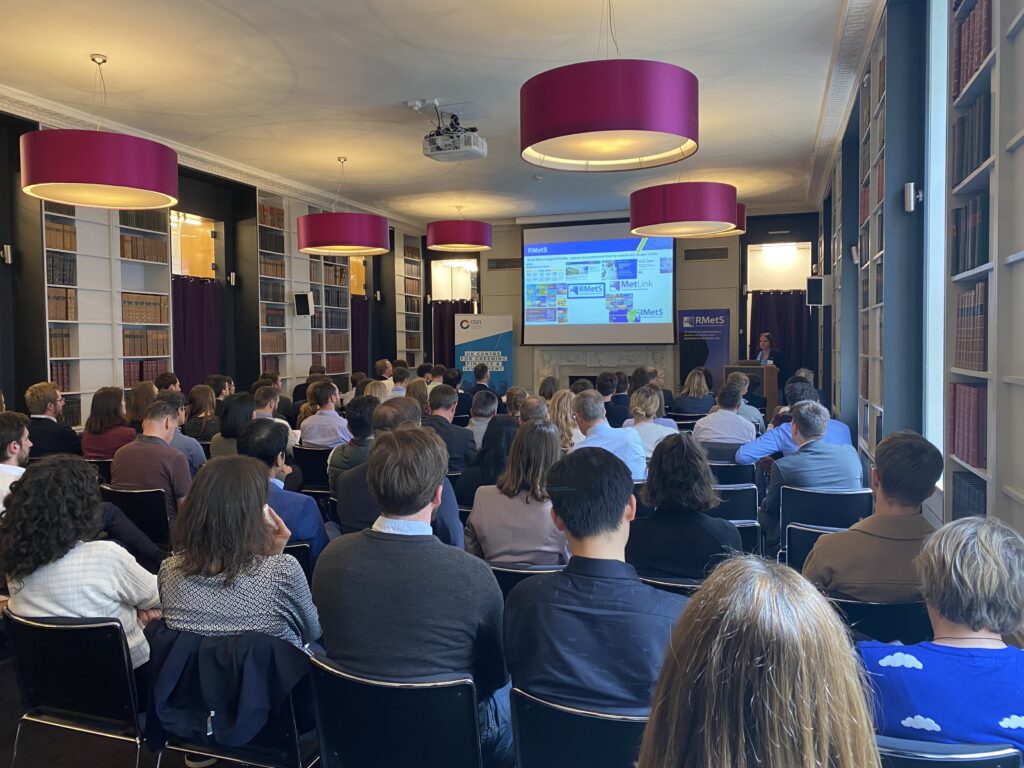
(395, 603)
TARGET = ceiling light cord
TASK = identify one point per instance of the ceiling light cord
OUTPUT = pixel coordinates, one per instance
(341, 180)
(99, 85)
(608, 36)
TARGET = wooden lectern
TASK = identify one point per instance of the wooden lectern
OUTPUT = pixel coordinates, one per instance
(768, 375)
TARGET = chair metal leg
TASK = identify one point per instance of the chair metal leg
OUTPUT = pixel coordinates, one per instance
(138, 752)
(17, 735)
(159, 758)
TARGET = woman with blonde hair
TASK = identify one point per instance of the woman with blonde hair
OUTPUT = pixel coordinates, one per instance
(644, 404)
(514, 399)
(511, 521)
(760, 672)
(376, 389)
(420, 392)
(695, 396)
(560, 414)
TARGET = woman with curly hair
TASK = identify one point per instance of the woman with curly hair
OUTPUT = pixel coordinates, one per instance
(52, 566)
(560, 414)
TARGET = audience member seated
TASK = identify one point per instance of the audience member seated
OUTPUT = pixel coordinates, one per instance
(45, 404)
(514, 399)
(137, 402)
(52, 566)
(437, 376)
(377, 389)
(659, 416)
(326, 428)
(561, 415)
(167, 382)
(382, 371)
(781, 415)
(548, 387)
(641, 377)
(106, 429)
(622, 393)
(965, 686)
(533, 408)
(235, 415)
(759, 672)
(357, 508)
(400, 377)
(266, 440)
(150, 462)
(353, 382)
(816, 464)
(481, 377)
(15, 446)
(644, 405)
(741, 381)
(581, 385)
(511, 520)
(588, 409)
(679, 539)
(592, 636)
(458, 440)
(228, 574)
(694, 397)
(309, 407)
(780, 440)
(605, 385)
(285, 407)
(299, 390)
(726, 425)
(397, 604)
(356, 451)
(490, 461)
(423, 372)
(484, 408)
(419, 390)
(265, 406)
(202, 422)
(188, 446)
(874, 559)
(218, 382)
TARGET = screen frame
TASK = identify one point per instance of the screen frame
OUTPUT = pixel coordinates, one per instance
(587, 223)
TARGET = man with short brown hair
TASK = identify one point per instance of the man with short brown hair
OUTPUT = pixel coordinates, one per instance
(45, 404)
(15, 445)
(326, 428)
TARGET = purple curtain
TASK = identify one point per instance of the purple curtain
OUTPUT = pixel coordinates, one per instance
(195, 303)
(784, 314)
(442, 315)
(360, 334)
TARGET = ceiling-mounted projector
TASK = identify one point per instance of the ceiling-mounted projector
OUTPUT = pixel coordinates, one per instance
(453, 143)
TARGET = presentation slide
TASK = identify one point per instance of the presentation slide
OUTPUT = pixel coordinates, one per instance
(610, 290)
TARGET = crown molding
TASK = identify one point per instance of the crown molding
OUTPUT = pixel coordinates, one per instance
(857, 23)
(51, 114)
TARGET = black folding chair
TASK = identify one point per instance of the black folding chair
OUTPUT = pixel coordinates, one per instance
(677, 586)
(461, 420)
(147, 509)
(102, 467)
(820, 507)
(750, 536)
(905, 753)
(464, 513)
(438, 717)
(731, 473)
(206, 449)
(739, 502)
(313, 464)
(57, 689)
(508, 575)
(907, 623)
(721, 453)
(549, 735)
(800, 539)
(302, 552)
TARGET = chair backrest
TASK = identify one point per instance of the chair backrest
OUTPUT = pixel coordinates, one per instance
(722, 453)
(685, 416)
(548, 735)
(800, 540)
(461, 420)
(730, 473)
(677, 586)
(102, 467)
(356, 719)
(302, 552)
(685, 425)
(905, 753)
(750, 535)
(833, 508)
(147, 509)
(885, 622)
(739, 502)
(74, 669)
(464, 513)
(509, 575)
(313, 463)
(206, 449)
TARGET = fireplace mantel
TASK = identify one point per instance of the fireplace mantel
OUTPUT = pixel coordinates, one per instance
(563, 362)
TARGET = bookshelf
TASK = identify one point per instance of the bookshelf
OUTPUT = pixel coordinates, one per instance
(985, 241)
(409, 268)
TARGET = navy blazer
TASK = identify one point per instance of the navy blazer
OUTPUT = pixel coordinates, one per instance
(817, 464)
(616, 414)
(302, 516)
(465, 404)
(50, 437)
(459, 441)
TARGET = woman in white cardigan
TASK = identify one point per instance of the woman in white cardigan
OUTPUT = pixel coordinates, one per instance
(511, 521)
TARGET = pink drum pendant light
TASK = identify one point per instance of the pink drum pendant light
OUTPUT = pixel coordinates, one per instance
(459, 236)
(685, 209)
(98, 169)
(609, 115)
(343, 234)
(741, 223)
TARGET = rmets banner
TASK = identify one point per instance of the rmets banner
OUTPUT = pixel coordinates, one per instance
(704, 342)
(484, 339)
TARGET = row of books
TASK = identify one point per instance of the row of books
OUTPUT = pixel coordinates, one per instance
(880, 280)
(972, 43)
(271, 316)
(72, 413)
(60, 235)
(413, 268)
(271, 290)
(61, 268)
(61, 303)
(336, 341)
(60, 374)
(412, 341)
(969, 235)
(139, 248)
(273, 341)
(272, 364)
(972, 138)
(146, 308)
(336, 363)
(412, 303)
(969, 493)
(270, 215)
(146, 342)
(335, 296)
(271, 240)
(880, 181)
(60, 209)
(865, 208)
(141, 370)
(317, 341)
(153, 220)
(412, 322)
(271, 265)
(335, 274)
(412, 285)
(966, 423)
(336, 318)
(972, 328)
(60, 342)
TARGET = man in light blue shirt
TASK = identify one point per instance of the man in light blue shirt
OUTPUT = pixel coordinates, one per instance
(326, 428)
(189, 446)
(589, 412)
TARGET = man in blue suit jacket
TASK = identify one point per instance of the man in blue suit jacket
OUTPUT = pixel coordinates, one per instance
(267, 441)
(816, 464)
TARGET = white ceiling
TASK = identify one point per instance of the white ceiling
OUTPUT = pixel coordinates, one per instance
(286, 87)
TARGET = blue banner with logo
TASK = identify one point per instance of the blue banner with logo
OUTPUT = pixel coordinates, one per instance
(704, 342)
(484, 339)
